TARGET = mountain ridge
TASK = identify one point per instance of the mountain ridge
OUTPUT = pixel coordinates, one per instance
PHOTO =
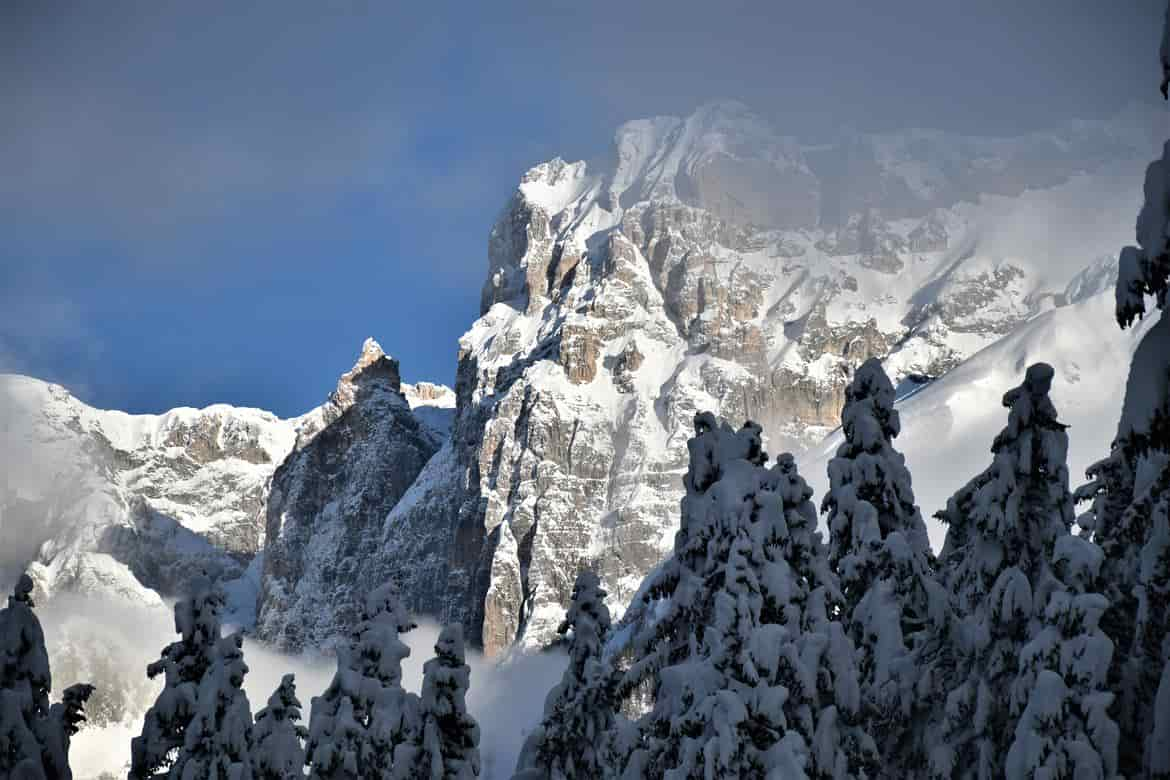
(87, 490)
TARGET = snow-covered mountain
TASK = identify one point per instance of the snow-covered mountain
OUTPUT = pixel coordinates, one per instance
(122, 505)
(112, 514)
(709, 263)
(713, 263)
(108, 504)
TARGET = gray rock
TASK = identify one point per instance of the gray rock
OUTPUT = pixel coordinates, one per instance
(327, 504)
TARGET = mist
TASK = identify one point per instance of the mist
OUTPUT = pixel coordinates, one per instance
(38, 477)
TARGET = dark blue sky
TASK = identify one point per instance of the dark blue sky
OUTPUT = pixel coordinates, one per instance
(203, 203)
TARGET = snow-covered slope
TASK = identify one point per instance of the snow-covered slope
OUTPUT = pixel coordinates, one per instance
(103, 502)
(713, 263)
(112, 513)
(948, 426)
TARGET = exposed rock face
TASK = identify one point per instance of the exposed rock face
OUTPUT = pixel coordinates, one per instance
(579, 350)
(328, 502)
(627, 362)
(428, 393)
(714, 265)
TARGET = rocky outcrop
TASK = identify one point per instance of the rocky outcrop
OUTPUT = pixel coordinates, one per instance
(328, 501)
(625, 365)
(579, 351)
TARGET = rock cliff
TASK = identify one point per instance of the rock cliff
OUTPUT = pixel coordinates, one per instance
(356, 455)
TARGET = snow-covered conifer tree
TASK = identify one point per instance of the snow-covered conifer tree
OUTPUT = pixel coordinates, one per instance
(278, 738)
(1114, 529)
(56, 731)
(831, 708)
(751, 677)
(893, 606)
(1127, 520)
(218, 740)
(1144, 270)
(997, 562)
(365, 714)
(1061, 693)
(1128, 486)
(1133, 484)
(448, 746)
(24, 683)
(1150, 655)
(34, 736)
(870, 496)
(579, 712)
(183, 664)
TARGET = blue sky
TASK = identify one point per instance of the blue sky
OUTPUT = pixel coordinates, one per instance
(204, 203)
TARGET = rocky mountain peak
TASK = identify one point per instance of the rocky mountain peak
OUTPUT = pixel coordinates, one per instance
(356, 457)
(374, 375)
(717, 264)
(373, 368)
(371, 351)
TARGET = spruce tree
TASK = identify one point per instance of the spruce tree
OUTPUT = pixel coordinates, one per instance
(278, 751)
(749, 677)
(24, 683)
(1127, 520)
(365, 714)
(1003, 528)
(831, 708)
(34, 736)
(1150, 656)
(1119, 532)
(56, 731)
(1061, 694)
(579, 712)
(870, 495)
(218, 740)
(1131, 485)
(183, 665)
(1126, 489)
(447, 748)
(893, 606)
